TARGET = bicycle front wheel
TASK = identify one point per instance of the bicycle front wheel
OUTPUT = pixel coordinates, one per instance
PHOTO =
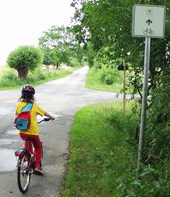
(23, 175)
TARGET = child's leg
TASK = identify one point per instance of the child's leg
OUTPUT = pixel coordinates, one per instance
(37, 145)
(38, 150)
(26, 143)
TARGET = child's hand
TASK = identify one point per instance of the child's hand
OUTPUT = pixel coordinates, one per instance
(52, 118)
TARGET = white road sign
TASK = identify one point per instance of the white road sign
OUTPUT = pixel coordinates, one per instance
(148, 21)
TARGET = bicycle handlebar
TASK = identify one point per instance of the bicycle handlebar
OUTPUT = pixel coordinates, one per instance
(45, 119)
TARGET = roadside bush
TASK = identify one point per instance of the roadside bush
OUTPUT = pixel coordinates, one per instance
(30, 79)
(74, 62)
(109, 75)
(40, 75)
(158, 126)
(98, 65)
(108, 79)
(151, 182)
(9, 78)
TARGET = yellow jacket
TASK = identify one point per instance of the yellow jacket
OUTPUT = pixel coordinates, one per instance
(36, 110)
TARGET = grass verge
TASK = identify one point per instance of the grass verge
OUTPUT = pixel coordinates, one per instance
(94, 82)
(102, 159)
(10, 80)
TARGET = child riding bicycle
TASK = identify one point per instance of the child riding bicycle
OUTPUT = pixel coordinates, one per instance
(27, 96)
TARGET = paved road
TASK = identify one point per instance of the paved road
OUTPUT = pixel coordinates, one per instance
(62, 98)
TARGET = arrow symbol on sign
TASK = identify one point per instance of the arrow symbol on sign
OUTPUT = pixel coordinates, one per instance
(149, 21)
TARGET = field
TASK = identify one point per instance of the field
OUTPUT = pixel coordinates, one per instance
(9, 78)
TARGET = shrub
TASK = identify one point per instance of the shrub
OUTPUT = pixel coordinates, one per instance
(158, 123)
(74, 62)
(9, 79)
(109, 79)
(109, 75)
(98, 65)
(25, 58)
(40, 75)
(9, 76)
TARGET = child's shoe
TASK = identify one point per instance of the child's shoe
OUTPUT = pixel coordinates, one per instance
(38, 171)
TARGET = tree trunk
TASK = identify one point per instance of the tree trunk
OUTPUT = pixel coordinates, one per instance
(22, 73)
(57, 66)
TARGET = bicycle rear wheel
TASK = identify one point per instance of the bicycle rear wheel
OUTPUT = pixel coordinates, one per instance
(23, 174)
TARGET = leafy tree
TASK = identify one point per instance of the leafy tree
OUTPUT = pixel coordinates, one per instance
(157, 137)
(25, 58)
(107, 23)
(47, 60)
(61, 44)
(89, 53)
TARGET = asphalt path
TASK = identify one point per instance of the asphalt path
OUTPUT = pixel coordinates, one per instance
(62, 98)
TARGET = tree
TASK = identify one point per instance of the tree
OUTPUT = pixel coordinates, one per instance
(107, 23)
(47, 60)
(61, 44)
(25, 58)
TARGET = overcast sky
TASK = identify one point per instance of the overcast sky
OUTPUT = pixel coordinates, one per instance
(23, 21)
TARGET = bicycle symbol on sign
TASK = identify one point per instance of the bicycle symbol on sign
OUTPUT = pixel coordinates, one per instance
(148, 31)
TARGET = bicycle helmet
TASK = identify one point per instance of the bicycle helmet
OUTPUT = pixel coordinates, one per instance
(27, 91)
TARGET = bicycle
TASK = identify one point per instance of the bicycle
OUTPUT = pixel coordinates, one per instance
(26, 164)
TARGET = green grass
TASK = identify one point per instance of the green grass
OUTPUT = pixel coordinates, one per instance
(103, 152)
(103, 159)
(101, 156)
(9, 77)
(94, 82)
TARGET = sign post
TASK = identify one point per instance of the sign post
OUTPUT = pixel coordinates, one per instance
(144, 99)
(124, 88)
(149, 22)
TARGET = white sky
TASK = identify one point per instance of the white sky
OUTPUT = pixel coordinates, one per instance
(23, 21)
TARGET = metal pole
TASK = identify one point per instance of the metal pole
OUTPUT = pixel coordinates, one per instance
(124, 79)
(144, 98)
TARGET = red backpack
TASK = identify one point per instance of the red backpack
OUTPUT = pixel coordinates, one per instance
(22, 121)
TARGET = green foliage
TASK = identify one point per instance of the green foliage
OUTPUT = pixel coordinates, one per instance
(94, 81)
(10, 76)
(103, 160)
(109, 79)
(9, 79)
(48, 59)
(74, 62)
(99, 152)
(158, 125)
(59, 45)
(106, 24)
(25, 58)
(90, 54)
(109, 75)
(40, 75)
(150, 182)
